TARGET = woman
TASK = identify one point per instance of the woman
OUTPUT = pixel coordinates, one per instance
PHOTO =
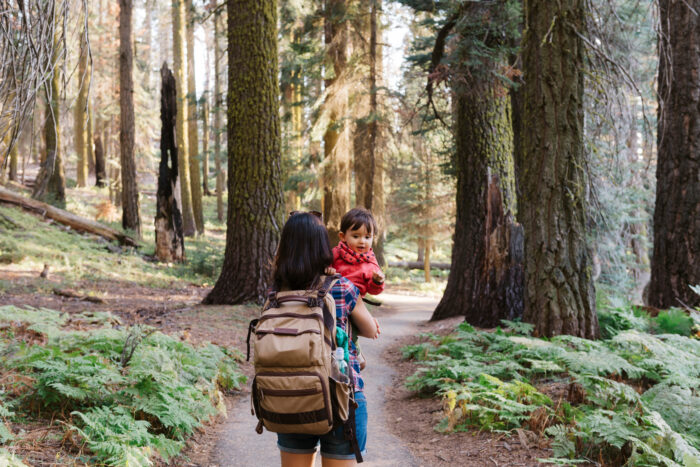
(303, 255)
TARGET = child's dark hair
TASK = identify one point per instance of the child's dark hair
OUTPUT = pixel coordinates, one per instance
(304, 252)
(356, 218)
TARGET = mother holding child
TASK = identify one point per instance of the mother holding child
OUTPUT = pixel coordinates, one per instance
(304, 256)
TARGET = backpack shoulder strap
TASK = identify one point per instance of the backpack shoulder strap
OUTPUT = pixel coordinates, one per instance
(328, 315)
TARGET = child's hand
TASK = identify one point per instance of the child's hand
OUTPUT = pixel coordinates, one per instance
(378, 277)
(329, 271)
(376, 323)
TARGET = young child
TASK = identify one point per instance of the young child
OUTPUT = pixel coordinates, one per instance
(354, 259)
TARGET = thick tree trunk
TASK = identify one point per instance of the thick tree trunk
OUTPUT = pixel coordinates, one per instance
(90, 138)
(675, 264)
(130, 193)
(180, 72)
(170, 244)
(336, 164)
(486, 276)
(79, 114)
(192, 130)
(560, 297)
(255, 202)
(12, 172)
(217, 121)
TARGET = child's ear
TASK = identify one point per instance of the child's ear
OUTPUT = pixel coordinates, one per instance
(341, 236)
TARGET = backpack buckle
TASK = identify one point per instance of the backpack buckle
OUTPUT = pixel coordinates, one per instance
(312, 302)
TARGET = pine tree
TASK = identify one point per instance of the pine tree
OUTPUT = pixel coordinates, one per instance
(192, 130)
(79, 113)
(255, 200)
(675, 264)
(560, 297)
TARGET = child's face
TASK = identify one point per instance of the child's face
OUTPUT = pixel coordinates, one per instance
(359, 240)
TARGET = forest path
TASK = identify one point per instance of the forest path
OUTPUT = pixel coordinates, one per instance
(240, 445)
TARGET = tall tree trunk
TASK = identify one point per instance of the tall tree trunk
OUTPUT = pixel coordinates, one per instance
(170, 243)
(560, 297)
(486, 276)
(12, 174)
(192, 130)
(130, 192)
(51, 181)
(205, 145)
(99, 162)
(180, 69)
(90, 138)
(255, 203)
(217, 121)
(336, 164)
(79, 114)
(675, 263)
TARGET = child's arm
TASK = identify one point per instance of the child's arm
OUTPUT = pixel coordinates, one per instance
(376, 283)
(365, 322)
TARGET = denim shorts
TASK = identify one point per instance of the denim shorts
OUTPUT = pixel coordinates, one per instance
(333, 444)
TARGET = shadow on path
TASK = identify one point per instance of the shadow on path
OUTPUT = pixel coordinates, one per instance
(239, 445)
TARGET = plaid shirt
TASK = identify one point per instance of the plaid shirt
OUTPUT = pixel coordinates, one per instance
(346, 295)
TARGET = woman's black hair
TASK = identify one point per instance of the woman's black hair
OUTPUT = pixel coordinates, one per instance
(304, 252)
(356, 218)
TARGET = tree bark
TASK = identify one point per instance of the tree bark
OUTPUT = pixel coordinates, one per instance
(255, 201)
(170, 243)
(12, 172)
(130, 194)
(100, 174)
(192, 130)
(79, 114)
(560, 297)
(90, 138)
(336, 164)
(205, 145)
(217, 121)
(50, 182)
(486, 276)
(675, 263)
(180, 72)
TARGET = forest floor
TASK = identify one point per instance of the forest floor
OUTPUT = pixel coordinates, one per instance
(127, 283)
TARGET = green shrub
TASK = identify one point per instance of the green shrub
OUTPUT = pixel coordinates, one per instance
(673, 321)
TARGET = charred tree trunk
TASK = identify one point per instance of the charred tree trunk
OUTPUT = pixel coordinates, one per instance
(255, 202)
(675, 264)
(170, 243)
(486, 276)
(130, 194)
(560, 297)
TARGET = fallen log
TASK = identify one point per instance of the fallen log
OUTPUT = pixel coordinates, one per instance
(66, 218)
(418, 265)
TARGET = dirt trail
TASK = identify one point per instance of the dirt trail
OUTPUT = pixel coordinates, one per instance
(239, 445)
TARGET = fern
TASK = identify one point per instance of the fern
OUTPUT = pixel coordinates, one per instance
(673, 321)
(7, 459)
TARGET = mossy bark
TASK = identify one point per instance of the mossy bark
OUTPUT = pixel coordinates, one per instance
(130, 195)
(79, 115)
(486, 277)
(675, 263)
(180, 73)
(192, 130)
(255, 201)
(560, 297)
(336, 164)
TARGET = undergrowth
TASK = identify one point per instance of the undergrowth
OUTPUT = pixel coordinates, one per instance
(632, 399)
(128, 395)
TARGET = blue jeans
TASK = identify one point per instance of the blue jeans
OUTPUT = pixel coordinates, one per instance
(333, 444)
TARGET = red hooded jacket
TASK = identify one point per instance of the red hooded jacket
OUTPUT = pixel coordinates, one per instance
(357, 268)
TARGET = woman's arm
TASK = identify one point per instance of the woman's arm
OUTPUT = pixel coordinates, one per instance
(363, 320)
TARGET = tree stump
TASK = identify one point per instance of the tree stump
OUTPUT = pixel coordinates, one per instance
(170, 244)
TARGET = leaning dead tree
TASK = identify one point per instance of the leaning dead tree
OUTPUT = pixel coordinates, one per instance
(170, 245)
(27, 46)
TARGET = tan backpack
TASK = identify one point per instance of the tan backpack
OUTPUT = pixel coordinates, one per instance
(298, 387)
